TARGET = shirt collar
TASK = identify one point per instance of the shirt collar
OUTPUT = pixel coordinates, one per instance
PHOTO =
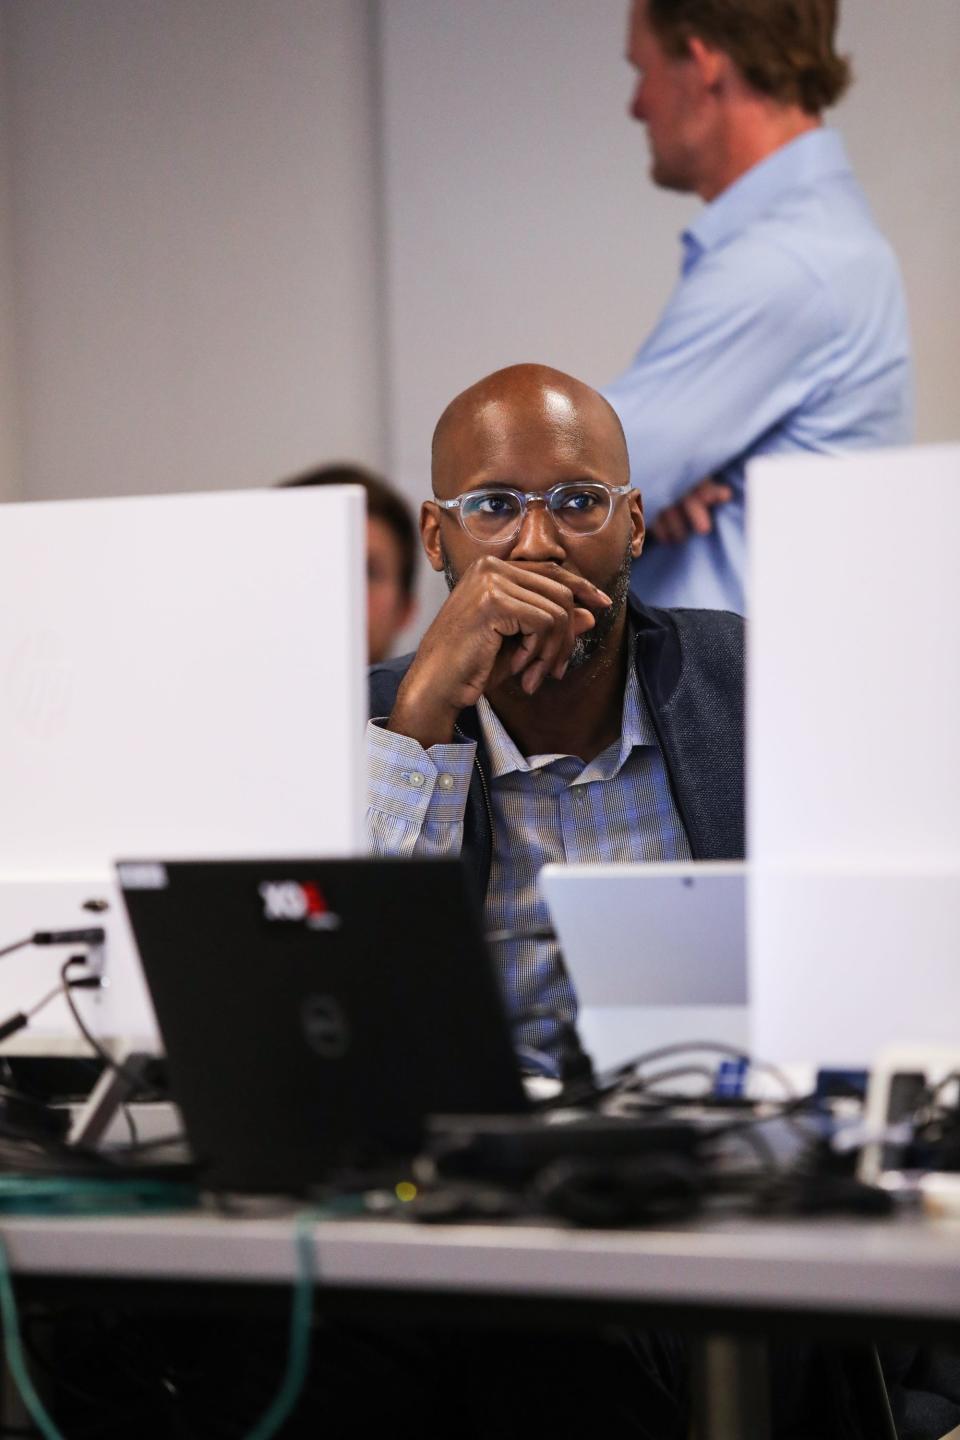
(636, 729)
(802, 162)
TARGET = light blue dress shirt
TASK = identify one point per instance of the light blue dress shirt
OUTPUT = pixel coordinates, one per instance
(787, 332)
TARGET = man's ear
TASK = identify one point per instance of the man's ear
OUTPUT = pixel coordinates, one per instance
(430, 534)
(635, 502)
(712, 65)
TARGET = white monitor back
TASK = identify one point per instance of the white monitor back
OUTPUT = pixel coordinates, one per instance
(853, 761)
(849, 961)
(854, 656)
(656, 953)
(183, 676)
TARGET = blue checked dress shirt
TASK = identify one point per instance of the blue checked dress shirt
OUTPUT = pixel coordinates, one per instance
(615, 809)
(787, 332)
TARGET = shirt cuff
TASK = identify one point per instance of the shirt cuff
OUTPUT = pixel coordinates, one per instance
(416, 784)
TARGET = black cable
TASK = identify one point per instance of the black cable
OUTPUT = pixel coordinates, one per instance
(137, 1085)
(50, 995)
(51, 1370)
(17, 945)
(65, 987)
(734, 1052)
(760, 1146)
(21, 1018)
(138, 1147)
(644, 1083)
(746, 1129)
(91, 935)
(786, 1110)
(885, 1412)
(131, 1124)
(35, 1154)
(864, 1373)
(612, 1080)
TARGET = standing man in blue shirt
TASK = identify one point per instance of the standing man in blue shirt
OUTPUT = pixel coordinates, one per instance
(787, 330)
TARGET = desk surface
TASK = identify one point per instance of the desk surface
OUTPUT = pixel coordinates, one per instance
(901, 1267)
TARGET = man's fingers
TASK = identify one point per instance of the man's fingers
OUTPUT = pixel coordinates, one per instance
(698, 504)
(676, 523)
(586, 592)
(546, 650)
(671, 526)
(691, 512)
(501, 619)
(697, 513)
(580, 621)
(555, 650)
(711, 492)
(539, 625)
(556, 653)
(526, 650)
(555, 583)
(533, 676)
(509, 619)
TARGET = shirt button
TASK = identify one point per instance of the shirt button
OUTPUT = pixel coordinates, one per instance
(446, 782)
(414, 778)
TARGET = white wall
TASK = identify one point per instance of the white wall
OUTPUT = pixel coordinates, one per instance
(522, 225)
(198, 185)
(195, 241)
(902, 125)
(9, 457)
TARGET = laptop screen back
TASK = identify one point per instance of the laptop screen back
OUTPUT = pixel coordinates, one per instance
(315, 1012)
(657, 953)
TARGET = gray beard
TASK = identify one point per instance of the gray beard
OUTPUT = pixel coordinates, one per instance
(592, 643)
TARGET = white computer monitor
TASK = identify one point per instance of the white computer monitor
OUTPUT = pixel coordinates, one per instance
(183, 676)
(853, 770)
(657, 953)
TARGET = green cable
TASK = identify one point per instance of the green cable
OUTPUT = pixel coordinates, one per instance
(117, 1197)
(13, 1349)
(298, 1351)
(60, 1195)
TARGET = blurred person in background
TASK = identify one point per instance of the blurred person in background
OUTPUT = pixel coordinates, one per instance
(392, 548)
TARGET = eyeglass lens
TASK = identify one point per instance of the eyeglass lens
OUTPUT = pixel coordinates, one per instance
(492, 515)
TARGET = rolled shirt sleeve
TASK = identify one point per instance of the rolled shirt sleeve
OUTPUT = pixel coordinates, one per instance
(416, 797)
(749, 336)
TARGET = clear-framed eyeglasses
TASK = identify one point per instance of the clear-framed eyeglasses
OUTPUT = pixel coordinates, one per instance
(495, 514)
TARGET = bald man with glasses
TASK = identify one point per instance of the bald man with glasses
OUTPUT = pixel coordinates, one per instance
(545, 715)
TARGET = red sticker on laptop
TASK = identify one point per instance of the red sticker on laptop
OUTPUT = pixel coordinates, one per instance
(297, 902)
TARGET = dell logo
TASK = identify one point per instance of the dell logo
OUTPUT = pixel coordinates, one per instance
(325, 1027)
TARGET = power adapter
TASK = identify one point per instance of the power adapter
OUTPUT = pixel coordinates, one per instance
(511, 1149)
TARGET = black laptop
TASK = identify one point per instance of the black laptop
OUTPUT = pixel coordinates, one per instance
(314, 1013)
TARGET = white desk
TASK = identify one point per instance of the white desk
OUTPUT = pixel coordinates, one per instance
(901, 1269)
(724, 1276)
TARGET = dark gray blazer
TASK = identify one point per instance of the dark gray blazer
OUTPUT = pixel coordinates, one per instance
(690, 667)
